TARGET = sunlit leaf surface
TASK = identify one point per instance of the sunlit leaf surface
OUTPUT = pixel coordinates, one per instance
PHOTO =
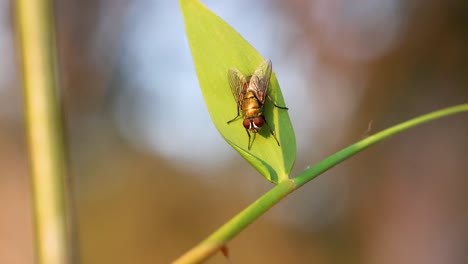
(216, 47)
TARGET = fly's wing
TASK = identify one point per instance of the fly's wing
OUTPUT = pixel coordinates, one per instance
(237, 82)
(260, 80)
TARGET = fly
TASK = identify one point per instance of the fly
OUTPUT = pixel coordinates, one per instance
(250, 93)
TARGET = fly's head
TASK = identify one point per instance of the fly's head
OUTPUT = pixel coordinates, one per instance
(254, 124)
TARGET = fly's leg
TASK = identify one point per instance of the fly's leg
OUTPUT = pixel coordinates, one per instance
(253, 139)
(235, 118)
(280, 107)
(272, 133)
(248, 144)
(275, 105)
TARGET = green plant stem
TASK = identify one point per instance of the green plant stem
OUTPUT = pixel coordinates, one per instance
(359, 146)
(35, 26)
(220, 237)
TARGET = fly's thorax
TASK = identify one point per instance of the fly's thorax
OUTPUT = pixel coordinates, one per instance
(251, 107)
(252, 112)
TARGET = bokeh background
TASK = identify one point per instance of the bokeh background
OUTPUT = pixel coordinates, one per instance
(152, 177)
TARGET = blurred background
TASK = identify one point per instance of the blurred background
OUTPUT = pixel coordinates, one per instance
(152, 177)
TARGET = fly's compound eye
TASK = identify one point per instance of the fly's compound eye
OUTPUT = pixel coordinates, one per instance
(246, 123)
(258, 121)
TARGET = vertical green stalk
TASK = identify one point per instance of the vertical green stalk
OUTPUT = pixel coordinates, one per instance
(35, 27)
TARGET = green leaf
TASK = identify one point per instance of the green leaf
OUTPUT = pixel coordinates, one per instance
(216, 47)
